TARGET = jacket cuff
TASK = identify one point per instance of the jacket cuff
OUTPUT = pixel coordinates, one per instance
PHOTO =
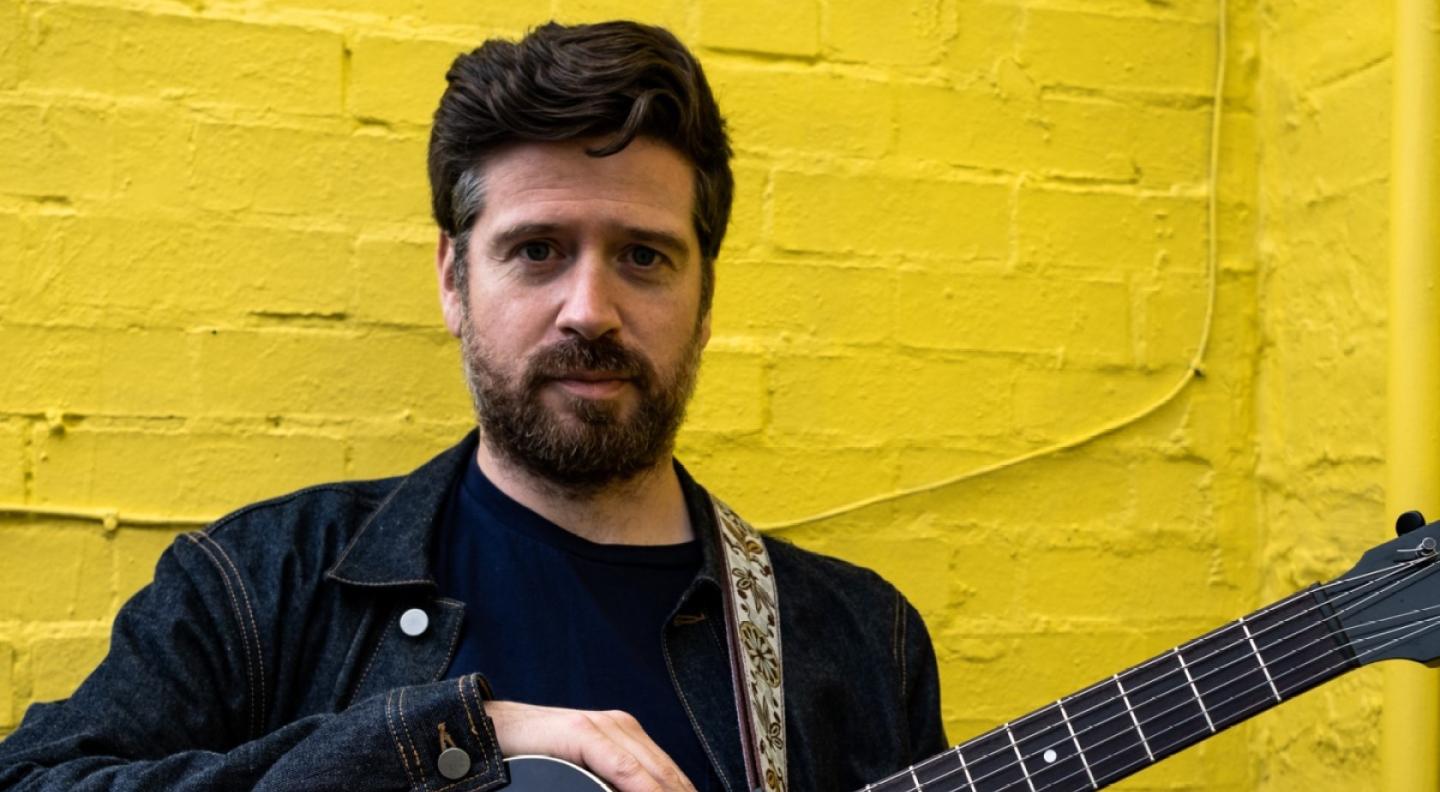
(444, 740)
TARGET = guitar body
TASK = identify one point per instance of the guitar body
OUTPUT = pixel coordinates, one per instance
(543, 774)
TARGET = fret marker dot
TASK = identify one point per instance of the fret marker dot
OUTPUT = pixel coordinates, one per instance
(1050, 755)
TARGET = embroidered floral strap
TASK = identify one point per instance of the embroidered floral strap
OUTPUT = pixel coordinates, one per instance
(753, 617)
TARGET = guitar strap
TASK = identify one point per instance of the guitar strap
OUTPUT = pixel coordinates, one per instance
(752, 619)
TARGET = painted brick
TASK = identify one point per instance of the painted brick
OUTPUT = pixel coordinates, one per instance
(730, 396)
(1062, 403)
(1127, 53)
(1343, 140)
(7, 686)
(983, 129)
(836, 305)
(757, 26)
(842, 114)
(1068, 513)
(12, 48)
(58, 665)
(485, 19)
(393, 281)
(204, 61)
(859, 30)
(396, 79)
(1172, 316)
(13, 455)
(137, 550)
(986, 34)
(143, 179)
(386, 452)
(884, 214)
(76, 583)
(1110, 231)
(772, 483)
(672, 14)
(1314, 48)
(104, 269)
(868, 398)
(1075, 583)
(289, 372)
(72, 142)
(747, 212)
(1079, 318)
(1072, 138)
(12, 235)
(296, 171)
(192, 474)
(116, 371)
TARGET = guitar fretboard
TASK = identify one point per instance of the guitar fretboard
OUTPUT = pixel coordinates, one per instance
(1138, 717)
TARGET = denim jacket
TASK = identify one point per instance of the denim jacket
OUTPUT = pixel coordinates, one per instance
(269, 654)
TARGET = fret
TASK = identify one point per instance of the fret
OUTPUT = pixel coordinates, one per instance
(1229, 676)
(1250, 638)
(944, 773)
(1019, 756)
(898, 783)
(1297, 645)
(1109, 735)
(1191, 680)
(1047, 747)
(1165, 705)
(1130, 710)
(991, 762)
(1065, 716)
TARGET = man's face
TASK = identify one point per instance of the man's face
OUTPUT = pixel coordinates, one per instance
(580, 324)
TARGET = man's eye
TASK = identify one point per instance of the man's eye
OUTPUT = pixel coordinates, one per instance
(645, 257)
(535, 251)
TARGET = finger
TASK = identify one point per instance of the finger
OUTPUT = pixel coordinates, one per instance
(600, 752)
(628, 733)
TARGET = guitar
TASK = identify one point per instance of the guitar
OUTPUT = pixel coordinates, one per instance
(1387, 607)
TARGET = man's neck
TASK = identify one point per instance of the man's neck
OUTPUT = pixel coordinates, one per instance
(648, 509)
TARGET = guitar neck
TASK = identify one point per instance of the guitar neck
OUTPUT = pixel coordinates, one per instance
(1134, 719)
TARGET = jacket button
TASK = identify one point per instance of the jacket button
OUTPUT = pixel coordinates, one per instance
(414, 622)
(453, 763)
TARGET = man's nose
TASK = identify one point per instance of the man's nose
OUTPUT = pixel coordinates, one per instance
(590, 309)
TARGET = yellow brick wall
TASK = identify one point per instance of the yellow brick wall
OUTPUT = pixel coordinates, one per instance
(966, 230)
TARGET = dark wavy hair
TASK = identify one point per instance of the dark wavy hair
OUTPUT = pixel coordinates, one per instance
(611, 82)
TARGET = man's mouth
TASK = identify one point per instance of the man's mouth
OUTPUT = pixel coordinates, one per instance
(592, 384)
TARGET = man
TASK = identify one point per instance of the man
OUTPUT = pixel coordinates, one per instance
(555, 585)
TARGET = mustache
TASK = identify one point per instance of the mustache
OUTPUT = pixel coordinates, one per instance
(576, 355)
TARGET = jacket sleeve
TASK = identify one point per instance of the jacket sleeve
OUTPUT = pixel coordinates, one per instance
(173, 706)
(919, 684)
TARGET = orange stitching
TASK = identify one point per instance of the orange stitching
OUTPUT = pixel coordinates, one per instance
(252, 713)
(465, 706)
(249, 612)
(410, 740)
(899, 641)
(395, 736)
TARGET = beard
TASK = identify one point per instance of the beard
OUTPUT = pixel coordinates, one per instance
(586, 444)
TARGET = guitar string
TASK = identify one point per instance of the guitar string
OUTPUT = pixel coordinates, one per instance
(1009, 765)
(1378, 587)
(1359, 581)
(1415, 629)
(1418, 628)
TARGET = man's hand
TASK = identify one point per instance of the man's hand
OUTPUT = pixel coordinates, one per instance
(609, 744)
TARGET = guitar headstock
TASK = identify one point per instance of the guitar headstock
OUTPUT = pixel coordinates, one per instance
(1388, 605)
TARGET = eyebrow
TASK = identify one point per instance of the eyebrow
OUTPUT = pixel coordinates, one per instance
(649, 236)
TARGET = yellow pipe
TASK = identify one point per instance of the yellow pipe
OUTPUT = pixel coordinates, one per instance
(1410, 723)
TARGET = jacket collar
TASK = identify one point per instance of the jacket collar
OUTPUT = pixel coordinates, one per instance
(392, 547)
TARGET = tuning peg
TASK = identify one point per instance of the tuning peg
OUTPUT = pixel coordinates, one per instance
(1408, 522)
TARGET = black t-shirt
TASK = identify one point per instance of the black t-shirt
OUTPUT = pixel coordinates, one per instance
(556, 620)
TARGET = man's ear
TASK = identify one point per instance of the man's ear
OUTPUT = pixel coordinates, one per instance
(450, 296)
